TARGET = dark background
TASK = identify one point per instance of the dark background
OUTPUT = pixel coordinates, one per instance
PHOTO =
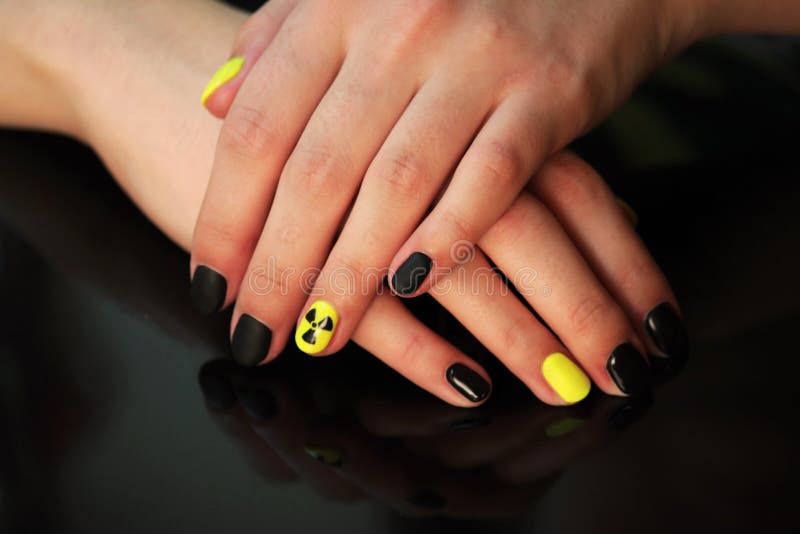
(119, 411)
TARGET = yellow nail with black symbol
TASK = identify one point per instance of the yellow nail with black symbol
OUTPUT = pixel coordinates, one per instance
(566, 378)
(226, 73)
(317, 327)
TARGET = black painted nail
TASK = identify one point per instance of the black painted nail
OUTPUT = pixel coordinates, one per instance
(629, 370)
(217, 391)
(468, 382)
(411, 274)
(259, 404)
(208, 290)
(251, 340)
(668, 332)
(325, 454)
(427, 499)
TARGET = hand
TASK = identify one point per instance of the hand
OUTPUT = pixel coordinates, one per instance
(166, 175)
(361, 110)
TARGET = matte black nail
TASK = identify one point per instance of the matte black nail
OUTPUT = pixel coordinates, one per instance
(208, 290)
(411, 274)
(468, 382)
(217, 391)
(668, 332)
(259, 404)
(427, 499)
(629, 370)
(251, 340)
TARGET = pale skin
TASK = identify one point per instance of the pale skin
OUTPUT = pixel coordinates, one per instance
(127, 84)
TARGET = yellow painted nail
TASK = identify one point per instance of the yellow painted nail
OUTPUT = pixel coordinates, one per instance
(566, 378)
(226, 73)
(317, 327)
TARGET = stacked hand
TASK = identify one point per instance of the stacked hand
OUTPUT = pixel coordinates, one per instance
(369, 139)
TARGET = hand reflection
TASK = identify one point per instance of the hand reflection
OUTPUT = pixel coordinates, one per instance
(353, 432)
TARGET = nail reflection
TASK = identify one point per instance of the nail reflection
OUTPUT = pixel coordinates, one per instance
(350, 428)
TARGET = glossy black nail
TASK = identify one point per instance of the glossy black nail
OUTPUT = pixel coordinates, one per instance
(668, 331)
(427, 499)
(208, 290)
(259, 404)
(468, 382)
(629, 370)
(411, 274)
(217, 390)
(251, 340)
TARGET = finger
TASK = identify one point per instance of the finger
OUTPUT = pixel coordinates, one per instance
(399, 186)
(586, 208)
(261, 129)
(476, 295)
(254, 37)
(533, 250)
(316, 188)
(420, 355)
(487, 180)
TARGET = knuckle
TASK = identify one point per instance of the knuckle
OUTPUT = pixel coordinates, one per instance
(216, 232)
(501, 162)
(269, 277)
(591, 313)
(402, 176)
(410, 352)
(567, 176)
(456, 226)
(317, 172)
(636, 274)
(248, 133)
(518, 223)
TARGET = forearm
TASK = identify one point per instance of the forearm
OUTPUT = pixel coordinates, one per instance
(751, 16)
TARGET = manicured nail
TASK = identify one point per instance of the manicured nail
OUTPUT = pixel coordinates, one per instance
(226, 73)
(411, 274)
(566, 378)
(217, 391)
(629, 370)
(427, 499)
(564, 427)
(327, 455)
(468, 382)
(259, 404)
(316, 329)
(208, 290)
(251, 340)
(668, 332)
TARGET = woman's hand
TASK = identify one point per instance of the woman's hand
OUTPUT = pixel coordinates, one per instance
(366, 111)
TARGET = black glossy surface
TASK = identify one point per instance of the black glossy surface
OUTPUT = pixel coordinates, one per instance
(107, 423)
(668, 332)
(468, 382)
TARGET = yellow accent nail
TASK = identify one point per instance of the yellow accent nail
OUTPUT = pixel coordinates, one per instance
(317, 327)
(566, 378)
(226, 73)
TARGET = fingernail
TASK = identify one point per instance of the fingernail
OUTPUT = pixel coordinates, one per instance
(251, 340)
(217, 391)
(668, 332)
(468, 382)
(208, 290)
(317, 327)
(564, 427)
(427, 499)
(411, 274)
(259, 404)
(327, 455)
(226, 73)
(566, 378)
(629, 370)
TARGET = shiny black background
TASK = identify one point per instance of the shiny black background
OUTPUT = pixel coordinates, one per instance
(120, 412)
